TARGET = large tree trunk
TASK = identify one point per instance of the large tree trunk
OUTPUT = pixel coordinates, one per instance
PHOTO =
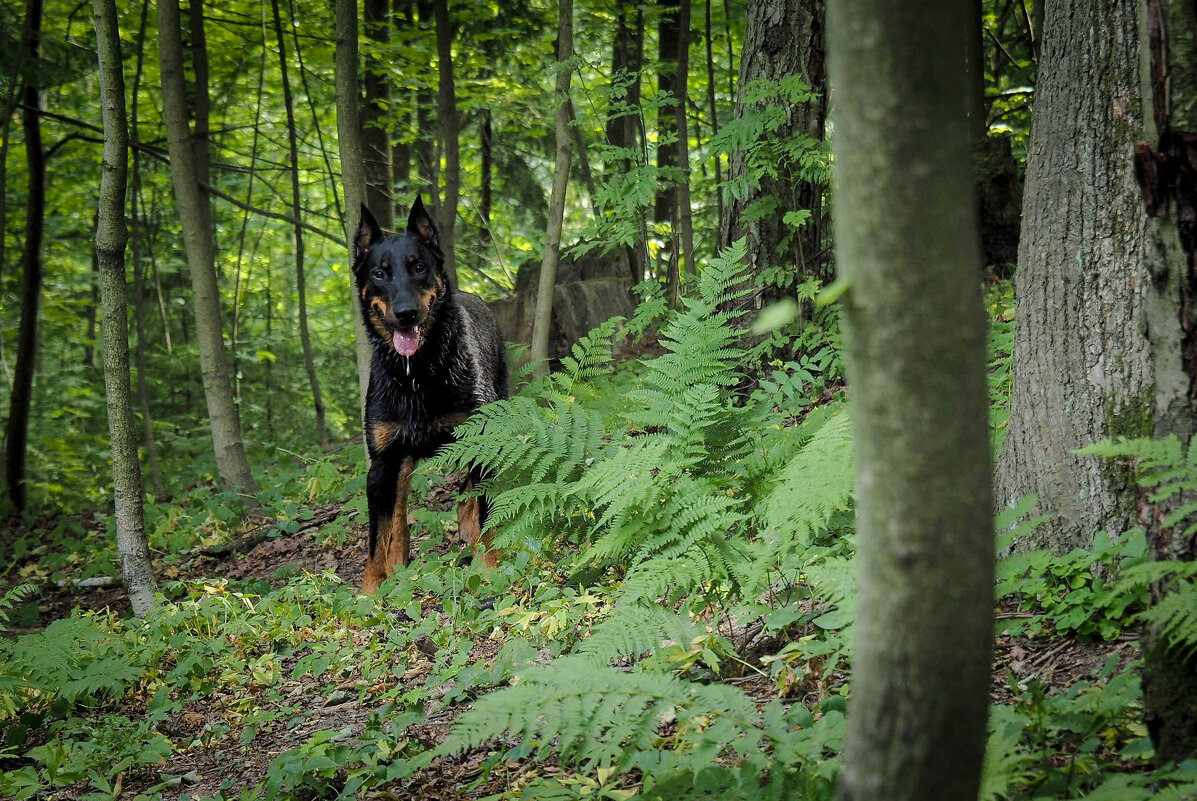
(305, 337)
(111, 236)
(197, 240)
(446, 111)
(376, 115)
(542, 322)
(349, 134)
(783, 38)
(201, 134)
(1082, 360)
(915, 335)
(16, 431)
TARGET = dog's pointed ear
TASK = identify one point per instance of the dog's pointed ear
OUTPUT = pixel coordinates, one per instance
(368, 234)
(419, 222)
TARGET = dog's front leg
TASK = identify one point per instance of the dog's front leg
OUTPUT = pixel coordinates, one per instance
(387, 488)
(471, 521)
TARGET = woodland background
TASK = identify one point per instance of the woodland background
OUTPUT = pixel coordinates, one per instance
(677, 612)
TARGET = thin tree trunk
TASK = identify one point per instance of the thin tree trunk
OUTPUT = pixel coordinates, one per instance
(111, 236)
(217, 379)
(915, 335)
(714, 117)
(543, 317)
(16, 431)
(485, 146)
(446, 110)
(624, 115)
(305, 337)
(201, 134)
(143, 392)
(151, 230)
(402, 19)
(667, 56)
(349, 133)
(235, 337)
(376, 137)
(575, 132)
(682, 81)
(316, 123)
(89, 337)
(10, 105)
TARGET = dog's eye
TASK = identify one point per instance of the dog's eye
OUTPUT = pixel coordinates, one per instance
(419, 268)
(378, 274)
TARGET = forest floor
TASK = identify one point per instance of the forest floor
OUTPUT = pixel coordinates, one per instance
(211, 747)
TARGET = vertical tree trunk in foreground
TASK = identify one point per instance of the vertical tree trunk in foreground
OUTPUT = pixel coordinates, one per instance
(1082, 360)
(446, 111)
(16, 430)
(1169, 155)
(782, 38)
(305, 337)
(353, 176)
(197, 240)
(111, 236)
(542, 321)
(667, 43)
(915, 334)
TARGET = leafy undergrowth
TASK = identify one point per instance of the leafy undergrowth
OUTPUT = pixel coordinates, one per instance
(672, 618)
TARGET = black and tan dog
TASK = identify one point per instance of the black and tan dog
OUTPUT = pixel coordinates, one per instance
(438, 356)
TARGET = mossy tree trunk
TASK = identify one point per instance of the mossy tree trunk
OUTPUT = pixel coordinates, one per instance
(196, 221)
(111, 237)
(915, 334)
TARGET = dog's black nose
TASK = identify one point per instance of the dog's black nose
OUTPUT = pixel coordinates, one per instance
(407, 317)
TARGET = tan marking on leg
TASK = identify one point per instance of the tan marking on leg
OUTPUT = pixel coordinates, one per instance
(394, 542)
(469, 525)
(382, 434)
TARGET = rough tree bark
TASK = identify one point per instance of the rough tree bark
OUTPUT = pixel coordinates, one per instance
(353, 176)
(915, 334)
(782, 38)
(197, 240)
(1082, 360)
(543, 316)
(376, 115)
(305, 336)
(16, 430)
(111, 236)
(446, 111)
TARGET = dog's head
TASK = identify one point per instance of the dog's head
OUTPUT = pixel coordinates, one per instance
(400, 279)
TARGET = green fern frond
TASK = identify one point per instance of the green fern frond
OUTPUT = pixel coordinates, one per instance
(664, 577)
(816, 483)
(603, 717)
(1174, 617)
(11, 598)
(632, 630)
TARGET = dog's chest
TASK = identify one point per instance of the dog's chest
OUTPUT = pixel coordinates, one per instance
(418, 408)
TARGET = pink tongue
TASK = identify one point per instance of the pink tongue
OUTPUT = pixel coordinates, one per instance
(406, 342)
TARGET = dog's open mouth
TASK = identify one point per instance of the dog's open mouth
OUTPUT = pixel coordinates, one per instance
(406, 340)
